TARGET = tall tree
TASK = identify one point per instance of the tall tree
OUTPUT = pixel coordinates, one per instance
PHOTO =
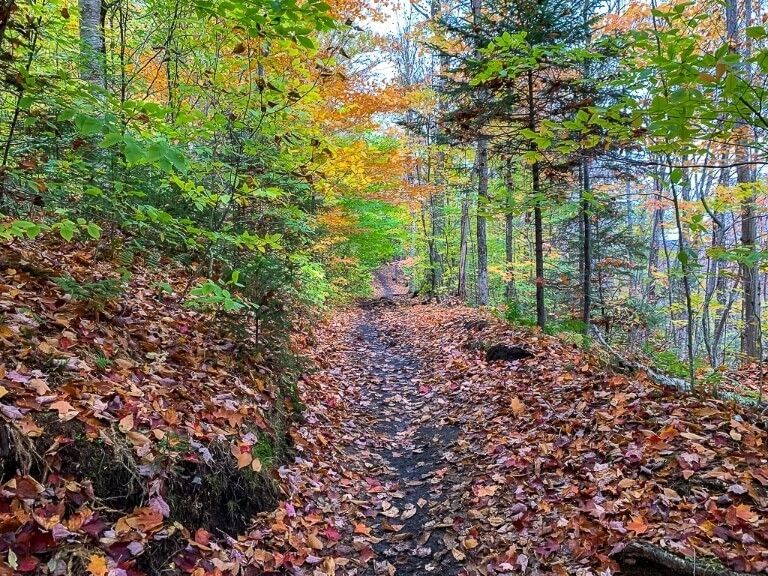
(481, 166)
(437, 200)
(750, 278)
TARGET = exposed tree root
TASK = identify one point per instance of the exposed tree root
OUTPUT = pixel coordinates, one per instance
(651, 560)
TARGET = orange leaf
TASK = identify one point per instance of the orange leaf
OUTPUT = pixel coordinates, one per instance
(744, 512)
(361, 528)
(65, 410)
(638, 525)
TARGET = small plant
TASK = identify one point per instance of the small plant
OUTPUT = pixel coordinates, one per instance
(96, 294)
(102, 362)
(215, 297)
(163, 288)
(668, 362)
(264, 451)
(515, 315)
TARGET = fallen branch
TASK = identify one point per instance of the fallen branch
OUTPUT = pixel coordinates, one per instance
(640, 557)
(625, 363)
(670, 381)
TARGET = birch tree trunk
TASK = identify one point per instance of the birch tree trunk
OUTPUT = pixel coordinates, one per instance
(92, 43)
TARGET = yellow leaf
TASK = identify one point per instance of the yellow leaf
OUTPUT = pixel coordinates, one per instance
(97, 566)
(517, 406)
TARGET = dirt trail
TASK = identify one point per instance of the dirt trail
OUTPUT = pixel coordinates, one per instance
(448, 463)
(389, 281)
(407, 451)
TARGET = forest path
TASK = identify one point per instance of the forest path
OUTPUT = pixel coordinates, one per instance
(389, 281)
(408, 448)
(445, 462)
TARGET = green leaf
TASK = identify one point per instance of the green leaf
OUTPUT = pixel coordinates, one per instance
(756, 32)
(111, 139)
(88, 125)
(133, 151)
(94, 230)
(306, 42)
(67, 230)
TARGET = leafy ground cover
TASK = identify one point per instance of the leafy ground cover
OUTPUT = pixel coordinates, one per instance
(560, 463)
(131, 422)
(139, 437)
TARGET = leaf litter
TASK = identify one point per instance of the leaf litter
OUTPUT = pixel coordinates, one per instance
(414, 455)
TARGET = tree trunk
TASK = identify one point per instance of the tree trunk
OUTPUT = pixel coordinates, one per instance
(509, 239)
(435, 257)
(461, 290)
(92, 43)
(750, 342)
(541, 313)
(437, 201)
(653, 256)
(586, 311)
(6, 9)
(748, 267)
(483, 294)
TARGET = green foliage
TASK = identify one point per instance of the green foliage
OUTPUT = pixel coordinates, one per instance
(211, 296)
(381, 231)
(95, 294)
(102, 362)
(515, 313)
(66, 228)
(669, 362)
(190, 150)
(264, 450)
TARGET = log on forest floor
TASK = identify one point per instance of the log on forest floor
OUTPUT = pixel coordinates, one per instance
(646, 559)
(383, 301)
(624, 363)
